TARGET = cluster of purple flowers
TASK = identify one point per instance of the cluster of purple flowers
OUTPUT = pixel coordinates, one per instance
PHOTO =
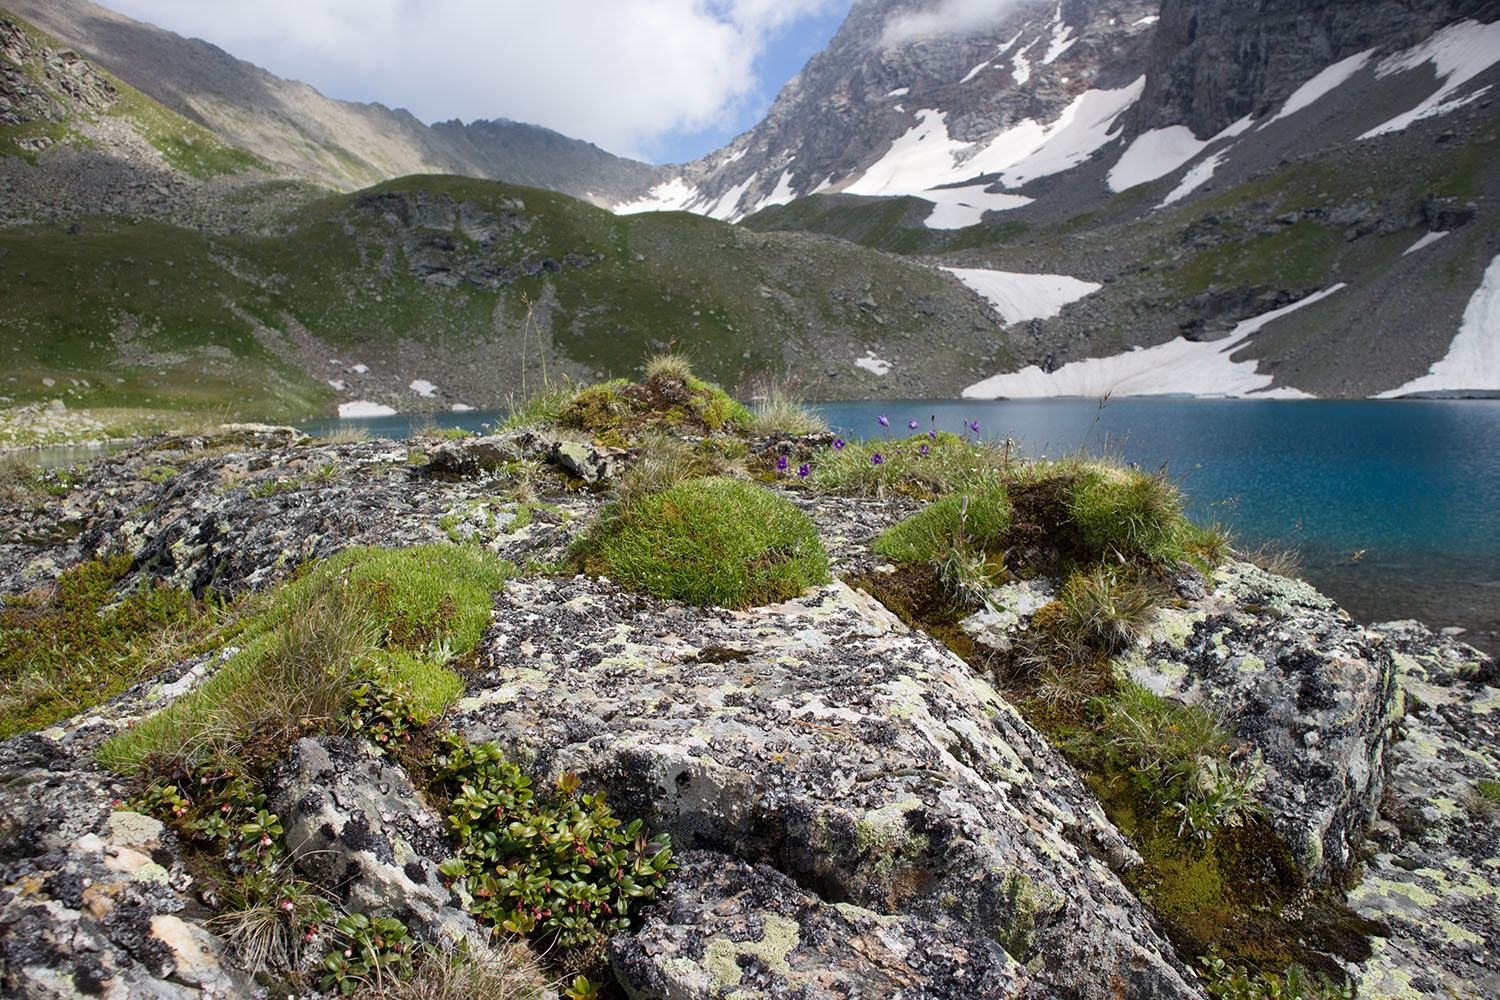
(876, 458)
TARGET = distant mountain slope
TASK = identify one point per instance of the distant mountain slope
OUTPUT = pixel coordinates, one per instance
(300, 133)
(1054, 74)
(425, 292)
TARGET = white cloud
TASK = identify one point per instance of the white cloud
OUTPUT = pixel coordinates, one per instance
(948, 17)
(621, 73)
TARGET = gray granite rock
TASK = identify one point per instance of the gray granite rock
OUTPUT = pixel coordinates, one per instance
(1310, 694)
(356, 826)
(823, 738)
(1433, 876)
(727, 928)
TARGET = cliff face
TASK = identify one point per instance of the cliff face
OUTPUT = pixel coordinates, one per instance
(1214, 61)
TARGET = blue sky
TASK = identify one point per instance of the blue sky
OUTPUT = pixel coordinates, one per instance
(662, 80)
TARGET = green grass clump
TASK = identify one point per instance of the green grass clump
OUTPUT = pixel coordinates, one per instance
(780, 411)
(920, 465)
(977, 519)
(70, 648)
(673, 366)
(709, 541)
(364, 616)
(1125, 514)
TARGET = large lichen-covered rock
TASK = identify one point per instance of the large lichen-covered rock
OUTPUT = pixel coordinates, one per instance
(94, 900)
(727, 928)
(1434, 876)
(356, 826)
(1309, 691)
(823, 738)
(243, 512)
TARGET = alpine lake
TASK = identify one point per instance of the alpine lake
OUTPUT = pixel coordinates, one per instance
(1393, 505)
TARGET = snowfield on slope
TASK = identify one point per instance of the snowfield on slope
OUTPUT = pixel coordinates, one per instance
(1473, 359)
(1017, 297)
(1178, 367)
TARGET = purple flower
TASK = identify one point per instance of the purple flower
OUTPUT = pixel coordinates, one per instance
(875, 459)
(781, 462)
(932, 434)
(838, 444)
(974, 426)
(803, 471)
(883, 421)
(923, 449)
(912, 425)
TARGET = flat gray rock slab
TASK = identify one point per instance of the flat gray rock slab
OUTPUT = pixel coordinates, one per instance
(821, 737)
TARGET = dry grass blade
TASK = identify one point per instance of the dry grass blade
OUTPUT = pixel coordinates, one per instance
(511, 971)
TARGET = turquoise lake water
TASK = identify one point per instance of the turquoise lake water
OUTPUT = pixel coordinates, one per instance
(1395, 505)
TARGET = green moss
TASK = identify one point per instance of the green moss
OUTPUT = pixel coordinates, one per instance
(314, 639)
(709, 541)
(979, 519)
(71, 648)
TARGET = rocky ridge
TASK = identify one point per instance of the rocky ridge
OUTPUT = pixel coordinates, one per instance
(854, 803)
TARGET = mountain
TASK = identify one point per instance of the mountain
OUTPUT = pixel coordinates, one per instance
(299, 133)
(1170, 186)
(1087, 196)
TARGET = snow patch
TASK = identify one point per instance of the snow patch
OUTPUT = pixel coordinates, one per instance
(872, 364)
(899, 92)
(1177, 367)
(975, 72)
(1458, 53)
(423, 388)
(360, 369)
(925, 158)
(1200, 173)
(1062, 38)
(1473, 359)
(364, 408)
(1020, 66)
(1148, 19)
(1018, 297)
(955, 208)
(669, 196)
(1426, 241)
(338, 384)
(1320, 85)
(1154, 154)
(782, 193)
(727, 207)
(461, 408)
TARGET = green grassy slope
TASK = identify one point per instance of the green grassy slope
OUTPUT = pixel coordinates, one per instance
(148, 314)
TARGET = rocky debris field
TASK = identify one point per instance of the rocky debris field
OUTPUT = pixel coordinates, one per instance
(856, 810)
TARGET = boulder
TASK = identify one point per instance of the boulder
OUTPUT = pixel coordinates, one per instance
(1312, 694)
(727, 927)
(356, 826)
(1433, 877)
(824, 739)
(93, 899)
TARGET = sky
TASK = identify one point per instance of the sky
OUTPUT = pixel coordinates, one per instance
(661, 80)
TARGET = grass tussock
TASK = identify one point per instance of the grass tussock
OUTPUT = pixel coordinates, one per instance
(709, 541)
(780, 410)
(18, 477)
(513, 972)
(1277, 558)
(360, 614)
(670, 365)
(925, 465)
